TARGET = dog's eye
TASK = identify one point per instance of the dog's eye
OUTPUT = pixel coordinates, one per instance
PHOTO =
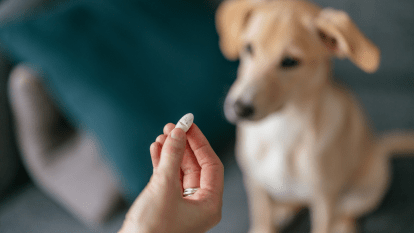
(249, 49)
(289, 62)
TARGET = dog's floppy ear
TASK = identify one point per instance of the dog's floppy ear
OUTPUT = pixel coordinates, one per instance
(344, 39)
(231, 18)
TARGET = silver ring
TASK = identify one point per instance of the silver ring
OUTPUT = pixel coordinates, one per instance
(189, 191)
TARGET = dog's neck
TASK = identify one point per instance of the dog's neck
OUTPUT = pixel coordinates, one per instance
(307, 97)
(306, 103)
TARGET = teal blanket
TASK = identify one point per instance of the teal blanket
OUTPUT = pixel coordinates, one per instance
(125, 69)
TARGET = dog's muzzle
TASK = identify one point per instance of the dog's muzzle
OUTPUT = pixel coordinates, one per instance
(238, 110)
(243, 110)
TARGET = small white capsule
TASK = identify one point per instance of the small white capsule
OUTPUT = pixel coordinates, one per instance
(185, 122)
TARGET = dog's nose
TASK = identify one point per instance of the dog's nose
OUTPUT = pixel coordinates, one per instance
(243, 110)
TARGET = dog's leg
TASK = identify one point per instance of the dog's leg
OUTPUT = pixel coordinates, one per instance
(283, 214)
(260, 208)
(345, 224)
(322, 213)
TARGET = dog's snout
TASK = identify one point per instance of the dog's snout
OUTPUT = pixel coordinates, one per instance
(243, 110)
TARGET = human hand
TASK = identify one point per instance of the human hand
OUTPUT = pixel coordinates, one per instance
(179, 164)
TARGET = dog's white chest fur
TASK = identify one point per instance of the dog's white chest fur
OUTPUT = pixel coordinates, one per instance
(268, 148)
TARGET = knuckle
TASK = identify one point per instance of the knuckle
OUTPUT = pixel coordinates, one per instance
(220, 166)
(177, 145)
(153, 145)
(215, 214)
(218, 218)
(160, 138)
(190, 170)
(214, 209)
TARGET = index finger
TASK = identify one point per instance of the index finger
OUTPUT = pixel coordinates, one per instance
(212, 170)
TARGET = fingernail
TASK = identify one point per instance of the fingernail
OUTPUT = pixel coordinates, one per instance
(176, 134)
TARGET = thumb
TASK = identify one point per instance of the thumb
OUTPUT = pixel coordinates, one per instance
(172, 153)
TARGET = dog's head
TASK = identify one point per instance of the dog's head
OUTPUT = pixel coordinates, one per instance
(284, 49)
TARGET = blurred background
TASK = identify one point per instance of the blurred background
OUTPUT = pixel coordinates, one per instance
(86, 86)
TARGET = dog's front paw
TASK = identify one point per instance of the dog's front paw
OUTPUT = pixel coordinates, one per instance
(345, 225)
(284, 215)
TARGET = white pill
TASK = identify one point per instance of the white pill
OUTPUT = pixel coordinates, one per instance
(185, 122)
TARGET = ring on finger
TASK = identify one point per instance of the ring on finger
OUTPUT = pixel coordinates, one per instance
(189, 191)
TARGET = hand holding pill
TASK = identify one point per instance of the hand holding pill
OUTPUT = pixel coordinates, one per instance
(182, 159)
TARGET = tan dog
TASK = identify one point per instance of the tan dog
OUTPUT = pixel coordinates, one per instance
(302, 141)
